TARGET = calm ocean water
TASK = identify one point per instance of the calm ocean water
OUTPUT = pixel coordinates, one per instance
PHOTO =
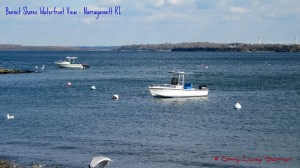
(60, 126)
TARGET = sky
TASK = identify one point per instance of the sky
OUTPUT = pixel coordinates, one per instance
(149, 22)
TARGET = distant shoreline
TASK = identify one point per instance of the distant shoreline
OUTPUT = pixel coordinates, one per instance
(187, 47)
(9, 47)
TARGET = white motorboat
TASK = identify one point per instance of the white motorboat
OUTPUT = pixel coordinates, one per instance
(69, 62)
(177, 88)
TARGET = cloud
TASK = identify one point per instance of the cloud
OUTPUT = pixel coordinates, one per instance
(175, 2)
(204, 4)
(166, 17)
(231, 18)
(238, 10)
(89, 20)
(160, 3)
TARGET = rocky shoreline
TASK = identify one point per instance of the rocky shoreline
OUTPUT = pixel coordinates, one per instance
(8, 164)
(13, 71)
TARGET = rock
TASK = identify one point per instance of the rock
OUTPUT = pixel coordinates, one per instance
(13, 71)
(8, 164)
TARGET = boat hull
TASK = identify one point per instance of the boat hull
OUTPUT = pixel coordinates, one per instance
(76, 66)
(177, 92)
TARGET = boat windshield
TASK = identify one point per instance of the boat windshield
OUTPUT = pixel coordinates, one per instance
(174, 80)
(178, 78)
(71, 59)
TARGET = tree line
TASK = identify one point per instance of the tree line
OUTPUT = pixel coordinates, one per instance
(214, 47)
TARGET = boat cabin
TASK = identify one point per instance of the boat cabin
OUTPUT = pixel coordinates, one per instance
(71, 59)
(178, 78)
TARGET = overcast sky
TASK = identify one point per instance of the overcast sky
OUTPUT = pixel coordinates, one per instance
(151, 21)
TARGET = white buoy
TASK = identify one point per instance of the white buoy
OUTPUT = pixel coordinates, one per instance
(10, 117)
(93, 87)
(237, 105)
(99, 162)
(69, 84)
(116, 97)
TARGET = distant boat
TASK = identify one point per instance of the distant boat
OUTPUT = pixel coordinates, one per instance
(69, 62)
(177, 88)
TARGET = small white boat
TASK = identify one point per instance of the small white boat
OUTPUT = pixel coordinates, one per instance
(69, 62)
(177, 88)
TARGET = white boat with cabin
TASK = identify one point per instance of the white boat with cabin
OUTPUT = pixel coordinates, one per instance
(177, 88)
(69, 62)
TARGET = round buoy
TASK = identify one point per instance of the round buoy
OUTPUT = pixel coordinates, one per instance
(116, 97)
(93, 87)
(69, 84)
(237, 105)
